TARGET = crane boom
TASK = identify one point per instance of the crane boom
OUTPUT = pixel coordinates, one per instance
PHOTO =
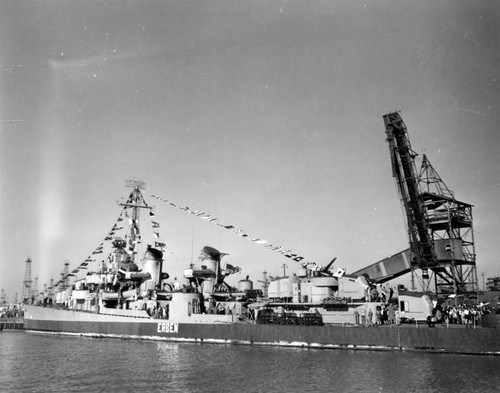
(404, 170)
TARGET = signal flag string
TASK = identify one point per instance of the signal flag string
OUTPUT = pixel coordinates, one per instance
(207, 217)
(159, 243)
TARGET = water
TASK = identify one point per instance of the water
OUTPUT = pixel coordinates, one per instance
(41, 363)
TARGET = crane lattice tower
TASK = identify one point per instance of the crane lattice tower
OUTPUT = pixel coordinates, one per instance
(449, 223)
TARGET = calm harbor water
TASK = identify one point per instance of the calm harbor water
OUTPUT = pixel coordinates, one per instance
(41, 363)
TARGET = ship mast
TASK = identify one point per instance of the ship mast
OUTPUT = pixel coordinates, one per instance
(135, 202)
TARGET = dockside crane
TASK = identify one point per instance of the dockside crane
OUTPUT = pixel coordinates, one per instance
(404, 170)
(439, 227)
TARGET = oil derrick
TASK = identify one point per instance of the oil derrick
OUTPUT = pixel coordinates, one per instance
(27, 282)
(51, 289)
(439, 226)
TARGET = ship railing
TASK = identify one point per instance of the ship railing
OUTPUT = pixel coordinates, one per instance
(304, 319)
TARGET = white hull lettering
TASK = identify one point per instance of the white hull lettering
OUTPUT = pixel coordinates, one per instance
(165, 327)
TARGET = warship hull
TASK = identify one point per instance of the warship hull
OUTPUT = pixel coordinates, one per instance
(457, 339)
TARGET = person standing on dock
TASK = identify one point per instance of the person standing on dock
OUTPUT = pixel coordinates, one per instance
(397, 315)
(369, 317)
(390, 314)
(378, 316)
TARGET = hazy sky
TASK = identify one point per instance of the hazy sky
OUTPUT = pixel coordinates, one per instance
(265, 114)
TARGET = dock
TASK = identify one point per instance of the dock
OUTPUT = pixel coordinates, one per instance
(11, 324)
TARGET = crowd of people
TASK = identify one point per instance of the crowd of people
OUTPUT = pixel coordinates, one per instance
(13, 311)
(461, 314)
(389, 314)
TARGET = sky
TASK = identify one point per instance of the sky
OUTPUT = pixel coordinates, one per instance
(264, 114)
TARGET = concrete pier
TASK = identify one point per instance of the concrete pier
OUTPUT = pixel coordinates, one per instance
(11, 324)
